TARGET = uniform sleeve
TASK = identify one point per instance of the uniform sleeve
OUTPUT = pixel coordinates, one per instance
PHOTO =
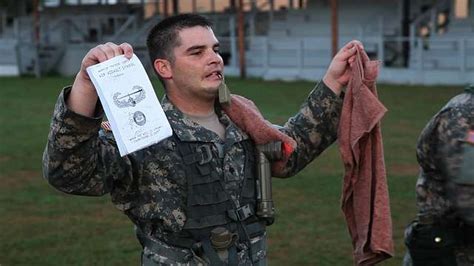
(76, 160)
(433, 144)
(426, 150)
(440, 155)
(314, 127)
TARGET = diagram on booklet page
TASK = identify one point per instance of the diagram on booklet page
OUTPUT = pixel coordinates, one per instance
(139, 118)
(131, 99)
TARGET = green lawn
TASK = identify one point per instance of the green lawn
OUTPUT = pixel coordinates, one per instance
(41, 226)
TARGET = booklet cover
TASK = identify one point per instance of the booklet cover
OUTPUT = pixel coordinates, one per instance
(130, 103)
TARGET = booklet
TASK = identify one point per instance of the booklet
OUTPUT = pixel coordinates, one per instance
(130, 103)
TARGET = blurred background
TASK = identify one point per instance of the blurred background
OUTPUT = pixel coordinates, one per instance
(274, 53)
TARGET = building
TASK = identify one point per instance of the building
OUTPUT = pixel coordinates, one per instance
(417, 42)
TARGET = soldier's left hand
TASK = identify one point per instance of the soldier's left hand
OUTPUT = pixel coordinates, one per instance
(339, 71)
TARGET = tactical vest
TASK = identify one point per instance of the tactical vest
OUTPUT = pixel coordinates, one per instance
(463, 183)
(210, 208)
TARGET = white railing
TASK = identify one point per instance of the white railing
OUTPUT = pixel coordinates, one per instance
(300, 52)
(444, 54)
(422, 54)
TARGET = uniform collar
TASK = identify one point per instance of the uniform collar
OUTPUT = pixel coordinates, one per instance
(187, 130)
(470, 88)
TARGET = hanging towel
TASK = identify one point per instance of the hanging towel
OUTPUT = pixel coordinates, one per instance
(245, 114)
(365, 201)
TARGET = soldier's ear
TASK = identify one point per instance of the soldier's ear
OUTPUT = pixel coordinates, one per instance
(163, 68)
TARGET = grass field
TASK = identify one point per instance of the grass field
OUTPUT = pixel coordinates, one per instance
(41, 226)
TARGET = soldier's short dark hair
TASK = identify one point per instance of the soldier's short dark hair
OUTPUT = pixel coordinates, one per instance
(164, 36)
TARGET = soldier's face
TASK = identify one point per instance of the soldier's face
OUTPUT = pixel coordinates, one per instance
(198, 68)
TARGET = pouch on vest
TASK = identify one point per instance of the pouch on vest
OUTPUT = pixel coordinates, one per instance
(461, 190)
(209, 206)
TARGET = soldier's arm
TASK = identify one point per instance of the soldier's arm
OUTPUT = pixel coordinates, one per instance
(453, 127)
(314, 127)
(456, 156)
(430, 186)
(75, 159)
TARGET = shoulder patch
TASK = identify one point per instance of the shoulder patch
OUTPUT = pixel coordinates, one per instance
(105, 125)
(470, 137)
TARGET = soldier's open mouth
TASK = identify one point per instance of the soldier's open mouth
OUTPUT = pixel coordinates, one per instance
(215, 74)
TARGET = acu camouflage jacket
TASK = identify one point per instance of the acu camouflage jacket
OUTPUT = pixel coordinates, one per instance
(440, 156)
(149, 185)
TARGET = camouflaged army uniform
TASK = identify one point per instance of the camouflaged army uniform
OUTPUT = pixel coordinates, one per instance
(164, 188)
(445, 188)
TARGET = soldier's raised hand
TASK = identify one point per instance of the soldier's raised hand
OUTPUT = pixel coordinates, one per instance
(83, 97)
(339, 72)
(103, 52)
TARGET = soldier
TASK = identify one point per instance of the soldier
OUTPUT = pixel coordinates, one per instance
(192, 196)
(443, 233)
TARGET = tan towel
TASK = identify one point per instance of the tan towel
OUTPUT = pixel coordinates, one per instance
(365, 200)
(245, 114)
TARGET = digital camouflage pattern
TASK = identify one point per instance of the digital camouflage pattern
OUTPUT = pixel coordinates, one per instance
(440, 155)
(441, 199)
(149, 185)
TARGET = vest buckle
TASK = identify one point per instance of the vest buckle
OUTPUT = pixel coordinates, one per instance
(241, 213)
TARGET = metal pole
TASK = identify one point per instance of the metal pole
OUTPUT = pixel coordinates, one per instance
(406, 31)
(157, 7)
(266, 59)
(334, 28)
(300, 54)
(462, 54)
(233, 41)
(232, 5)
(272, 7)
(241, 37)
(194, 6)
(253, 12)
(213, 6)
(165, 8)
(175, 7)
(37, 37)
(4, 21)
